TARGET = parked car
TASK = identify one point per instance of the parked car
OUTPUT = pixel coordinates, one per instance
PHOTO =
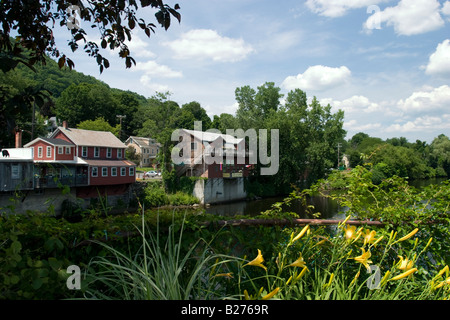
(151, 174)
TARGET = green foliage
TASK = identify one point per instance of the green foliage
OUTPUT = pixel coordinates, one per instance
(99, 124)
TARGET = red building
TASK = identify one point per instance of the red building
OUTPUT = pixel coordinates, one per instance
(92, 161)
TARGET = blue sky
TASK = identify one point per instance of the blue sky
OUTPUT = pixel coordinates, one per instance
(385, 63)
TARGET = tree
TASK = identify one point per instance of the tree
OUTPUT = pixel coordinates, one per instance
(85, 102)
(35, 19)
(99, 124)
(440, 153)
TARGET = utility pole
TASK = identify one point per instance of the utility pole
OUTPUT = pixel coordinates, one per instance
(339, 155)
(120, 132)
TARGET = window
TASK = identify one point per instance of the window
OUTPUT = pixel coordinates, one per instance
(123, 171)
(39, 152)
(131, 171)
(67, 150)
(193, 145)
(94, 171)
(108, 152)
(84, 152)
(119, 153)
(114, 171)
(60, 150)
(96, 152)
(104, 171)
(49, 152)
(15, 171)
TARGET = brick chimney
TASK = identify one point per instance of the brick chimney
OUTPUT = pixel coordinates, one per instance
(65, 124)
(18, 138)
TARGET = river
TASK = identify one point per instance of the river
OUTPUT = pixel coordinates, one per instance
(326, 206)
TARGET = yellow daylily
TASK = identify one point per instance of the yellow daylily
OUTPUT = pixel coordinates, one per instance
(445, 269)
(350, 232)
(271, 294)
(354, 279)
(329, 281)
(369, 236)
(409, 235)
(226, 275)
(385, 277)
(257, 262)
(301, 234)
(405, 264)
(298, 263)
(404, 274)
(364, 258)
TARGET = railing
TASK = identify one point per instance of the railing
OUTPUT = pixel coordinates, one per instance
(55, 181)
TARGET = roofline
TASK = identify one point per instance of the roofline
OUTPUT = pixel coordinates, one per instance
(29, 144)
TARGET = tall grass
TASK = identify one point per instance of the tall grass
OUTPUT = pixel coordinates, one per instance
(159, 270)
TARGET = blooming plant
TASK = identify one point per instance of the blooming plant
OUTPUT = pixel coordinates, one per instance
(316, 263)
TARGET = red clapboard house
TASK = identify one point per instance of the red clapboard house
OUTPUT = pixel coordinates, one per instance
(92, 161)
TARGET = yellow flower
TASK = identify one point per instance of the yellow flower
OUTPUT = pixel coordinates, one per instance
(350, 232)
(405, 264)
(445, 269)
(369, 236)
(409, 235)
(354, 279)
(329, 281)
(298, 263)
(364, 258)
(257, 262)
(271, 294)
(305, 228)
(404, 274)
(226, 275)
(384, 279)
(301, 274)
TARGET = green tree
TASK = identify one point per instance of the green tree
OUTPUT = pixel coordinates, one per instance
(440, 154)
(114, 20)
(85, 102)
(99, 124)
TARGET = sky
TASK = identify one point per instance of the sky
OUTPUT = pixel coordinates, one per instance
(385, 63)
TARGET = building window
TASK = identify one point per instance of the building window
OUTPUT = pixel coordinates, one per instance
(60, 150)
(114, 171)
(49, 152)
(84, 152)
(94, 171)
(67, 150)
(39, 152)
(119, 153)
(96, 152)
(104, 171)
(15, 171)
(108, 152)
(123, 171)
(131, 171)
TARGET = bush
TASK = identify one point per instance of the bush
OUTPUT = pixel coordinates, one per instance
(181, 198)
(155, 196)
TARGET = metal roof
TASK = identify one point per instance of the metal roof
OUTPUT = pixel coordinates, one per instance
(91, 138)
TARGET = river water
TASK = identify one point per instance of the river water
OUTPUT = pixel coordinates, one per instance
(328, 208)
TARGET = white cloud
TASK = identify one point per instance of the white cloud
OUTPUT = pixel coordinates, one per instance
(353, 104)
(409, 17)
(356, 126)
(431, 101)
(139, 47)
(446, 9)
(421, 124)
(440, 60)
(337, 8)
(147, 82)
(152, 68)
(318, 78)
(208, 44)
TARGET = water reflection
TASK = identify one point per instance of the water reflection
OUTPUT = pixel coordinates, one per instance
(328, 208)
